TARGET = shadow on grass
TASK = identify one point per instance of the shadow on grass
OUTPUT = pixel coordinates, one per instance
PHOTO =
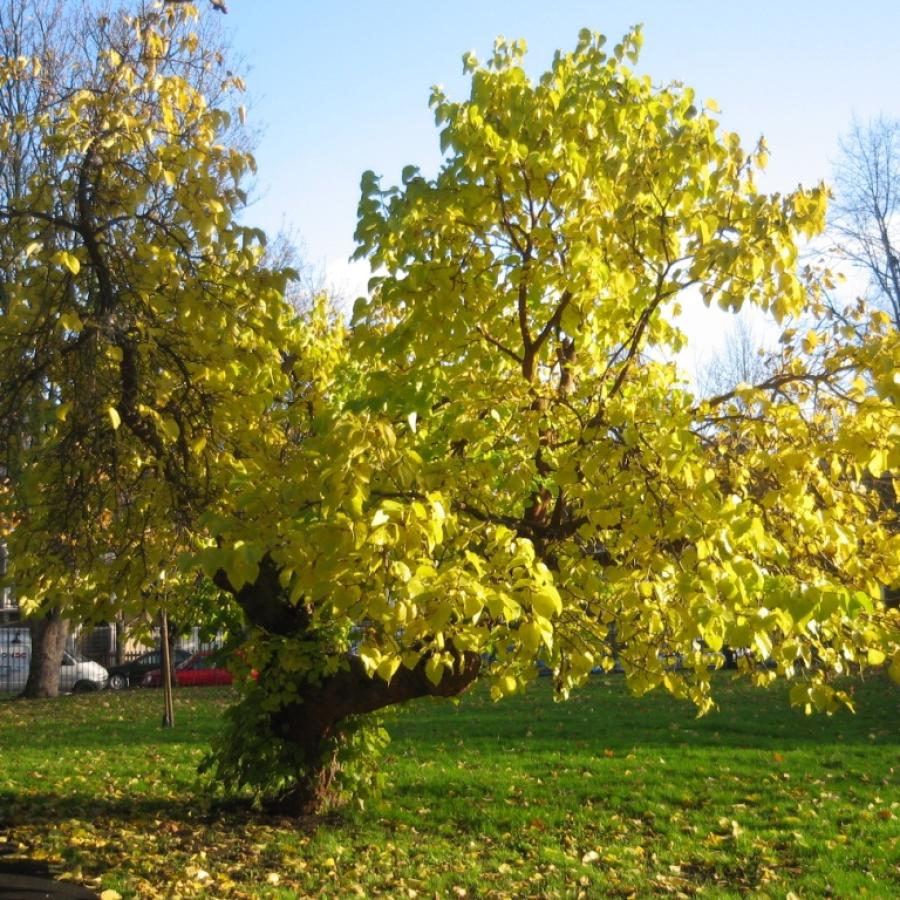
(50, 808)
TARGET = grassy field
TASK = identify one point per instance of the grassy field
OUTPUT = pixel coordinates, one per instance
(604, 796)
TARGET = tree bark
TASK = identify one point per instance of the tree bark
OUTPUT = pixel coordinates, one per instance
(313, 722)
(48, 641)
(120, 640)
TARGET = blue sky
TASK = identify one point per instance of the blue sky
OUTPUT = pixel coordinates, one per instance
(341, 87)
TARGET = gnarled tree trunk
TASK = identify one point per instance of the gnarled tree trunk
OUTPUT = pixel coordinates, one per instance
(312, 723)
(48, 642)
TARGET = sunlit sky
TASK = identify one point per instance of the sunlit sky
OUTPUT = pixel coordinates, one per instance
(342, 87)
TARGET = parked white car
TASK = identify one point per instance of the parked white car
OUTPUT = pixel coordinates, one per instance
(81, 675)
(75, 675)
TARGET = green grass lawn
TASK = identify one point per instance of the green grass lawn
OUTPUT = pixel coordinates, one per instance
(604, 796)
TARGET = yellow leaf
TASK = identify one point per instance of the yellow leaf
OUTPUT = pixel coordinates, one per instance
(894, 668)
(546, 602)
(71, 322)
(110, 894)
(380, 518)
(370, 657)
(387, 667)
(530, 636)
(64, 258)
(114, 417)
(877, 463)
(434, 670)
(810, 341)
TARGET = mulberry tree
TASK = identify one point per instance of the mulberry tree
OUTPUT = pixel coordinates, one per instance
(494, 462)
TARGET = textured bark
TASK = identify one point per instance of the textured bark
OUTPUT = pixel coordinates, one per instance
(48, 641)
(314, 722)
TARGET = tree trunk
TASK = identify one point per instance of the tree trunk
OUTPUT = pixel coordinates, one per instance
(313, 724)
(120, 640)
(48, 641)
(312, 792)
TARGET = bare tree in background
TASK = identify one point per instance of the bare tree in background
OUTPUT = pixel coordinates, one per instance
(742, 359)
(866, 210)
(866, 225)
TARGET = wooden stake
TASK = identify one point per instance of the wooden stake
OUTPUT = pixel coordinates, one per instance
(168, 720)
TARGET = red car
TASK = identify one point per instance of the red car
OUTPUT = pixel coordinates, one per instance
(201, 669)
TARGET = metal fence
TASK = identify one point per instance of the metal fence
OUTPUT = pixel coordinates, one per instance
(88, 656)
(75, 674)
(100, 644)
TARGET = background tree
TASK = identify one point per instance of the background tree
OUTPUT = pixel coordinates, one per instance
(866, 224)
(22, 33)
(866, 210)
(741, 357)
(490, 466)
(84, 202)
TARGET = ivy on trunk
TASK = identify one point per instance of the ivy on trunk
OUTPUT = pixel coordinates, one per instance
(310, 719)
